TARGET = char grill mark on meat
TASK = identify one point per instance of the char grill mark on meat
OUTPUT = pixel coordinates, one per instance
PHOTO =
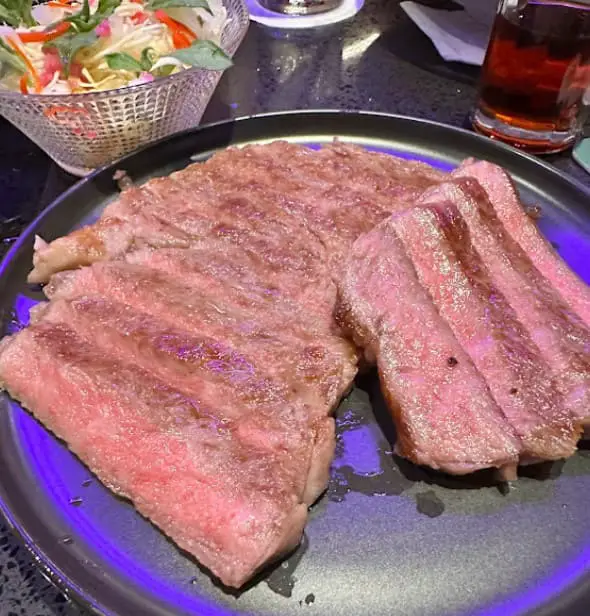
(266, 413)
(247, 269)
(231, 505)
(382, 175)
(316, 356)
(198, 209)
(314, 204)
(326, 218)
(559, 333)
(236, 377)
(221, 280)
(443, 411)
(502, 192)
(438, 243)
(336, 201)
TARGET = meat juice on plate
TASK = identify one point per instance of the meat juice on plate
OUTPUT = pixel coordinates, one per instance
(536, 71)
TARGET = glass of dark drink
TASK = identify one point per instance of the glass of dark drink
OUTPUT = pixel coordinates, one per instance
(535, 82)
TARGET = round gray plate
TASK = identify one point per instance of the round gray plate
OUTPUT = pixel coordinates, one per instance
(388, 539)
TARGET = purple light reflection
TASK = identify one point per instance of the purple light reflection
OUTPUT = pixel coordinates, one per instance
(572, 245)
(22, 306)
(542, 590)
(360, 451)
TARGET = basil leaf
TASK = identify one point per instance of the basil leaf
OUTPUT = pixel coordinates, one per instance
(148, 55)
(27, 14)
(11, 59)
(177, 4)
(69, 44)
(84, 12)
(85, 21)
(17, 12)
(204, 54)
(123, 62)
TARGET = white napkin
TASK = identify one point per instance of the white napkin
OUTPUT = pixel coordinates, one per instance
(460, 36)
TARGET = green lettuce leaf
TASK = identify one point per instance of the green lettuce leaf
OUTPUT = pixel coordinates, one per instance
(125, 62)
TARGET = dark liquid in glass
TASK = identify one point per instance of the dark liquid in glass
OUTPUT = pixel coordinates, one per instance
(537, 66)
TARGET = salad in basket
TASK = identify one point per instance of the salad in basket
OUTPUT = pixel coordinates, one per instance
(77, 46)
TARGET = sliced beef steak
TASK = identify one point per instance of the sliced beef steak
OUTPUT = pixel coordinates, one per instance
(238, 375)
(444, 413)
(558, 332)
(221, 282)
(109, 237)
(313, 355)
(235, 506)
(195, 343)
(304, 197)
(248, 270)
(438, 243)
(503, 194)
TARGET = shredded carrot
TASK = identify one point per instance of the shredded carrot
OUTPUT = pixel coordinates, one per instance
(43, 37)
(23, 85)
(30, 68)
(181, 35)
(59, 5)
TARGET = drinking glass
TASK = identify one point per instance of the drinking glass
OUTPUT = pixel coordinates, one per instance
(536, 74)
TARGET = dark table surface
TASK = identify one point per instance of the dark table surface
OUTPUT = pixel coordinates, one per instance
(378, 61)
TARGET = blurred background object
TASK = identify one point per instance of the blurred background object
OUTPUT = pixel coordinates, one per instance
(302, 14)
(300, 7)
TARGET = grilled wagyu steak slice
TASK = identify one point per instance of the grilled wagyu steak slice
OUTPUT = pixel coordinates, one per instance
(195, 310)
(437, 241)
(503, 194)
(558, 332)
(306, 199)
(265, 272)
(189, 369)
(201, 476)
(214, 288)
(444, 413)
